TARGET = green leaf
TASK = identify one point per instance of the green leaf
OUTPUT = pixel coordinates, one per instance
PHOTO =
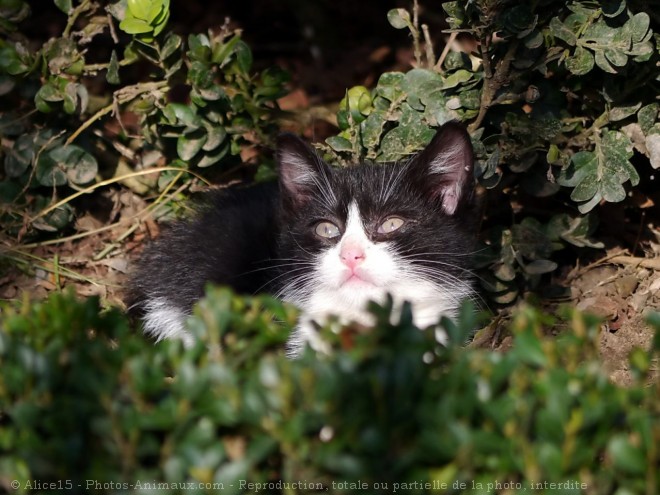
(243, 56)
(142, 9)
(81, 167)
(50, 173)
(581, 62)
(390, 85)
(199, 47)
(539, 267)
(372, 128)
(603, 63)
(180, 114)
(456, 13)
(615, 57)
(222, 50)
(112, 76)
(156, 13)
(161, 21)
(188, 145)
(638, 26)
(63, 56)
(534, 39)
(647, 116)
(19, 157)
(559, 30)
(216, 134)
(459, 77)
(470, 99)
(64, 5)
(82, 96)
(573, 229)
(528, 348)
(625, 456)
(172, 44)
(274, 76)
(357, 103)
(616, 150)
(213, 158)
(70, 98)
(600, 174)
(456, 60)
(200, 75)
(56, 220)
(47, 94)
(504, 272)
(622, 112)
(215, 93)
(398, 18)
(588, 186)
(424, 89)
(11, 61)
(131, 25)
(339, 144)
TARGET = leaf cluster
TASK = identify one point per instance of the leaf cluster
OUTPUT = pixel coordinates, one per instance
(561, 102)
(83, 397)
(191, 103)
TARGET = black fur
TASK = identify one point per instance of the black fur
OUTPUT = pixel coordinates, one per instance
(243, 237)
(227, 242)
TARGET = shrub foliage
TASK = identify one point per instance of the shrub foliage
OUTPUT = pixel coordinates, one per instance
(82, 398)
(197, 103)
(561, 100)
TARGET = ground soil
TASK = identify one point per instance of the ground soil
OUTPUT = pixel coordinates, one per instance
(619, 288)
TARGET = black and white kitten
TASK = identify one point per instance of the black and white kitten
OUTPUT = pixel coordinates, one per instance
(328, 240)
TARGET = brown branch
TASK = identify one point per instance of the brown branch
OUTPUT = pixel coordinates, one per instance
(445, 52)
(122, 95)
(415, 34)
(428, 46)
(652, 263)
(492, 82)
(73, 17)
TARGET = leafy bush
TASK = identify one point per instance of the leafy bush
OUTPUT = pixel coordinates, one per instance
(561, 100)
(198, 103)
(85, 400)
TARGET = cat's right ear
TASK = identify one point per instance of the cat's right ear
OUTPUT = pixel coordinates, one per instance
(302, 171)
(445, 168)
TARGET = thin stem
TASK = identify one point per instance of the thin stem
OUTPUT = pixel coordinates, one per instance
(137, 218)
(104, 111)
(492, 82)
(91, 69)
(415, 34)
(93, 187)
(428, 46)
(445, 52)
(73, 17)
(122, 95)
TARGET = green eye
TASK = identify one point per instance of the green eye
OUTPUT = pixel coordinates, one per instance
(390, 225)
(328, 230)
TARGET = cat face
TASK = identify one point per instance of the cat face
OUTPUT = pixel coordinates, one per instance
(353, 235)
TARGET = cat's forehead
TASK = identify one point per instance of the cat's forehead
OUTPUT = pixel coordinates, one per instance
(370, 187)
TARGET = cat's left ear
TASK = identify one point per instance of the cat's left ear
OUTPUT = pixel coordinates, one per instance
(445, 168)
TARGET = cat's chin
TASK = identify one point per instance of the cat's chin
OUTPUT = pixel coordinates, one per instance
(357, 280)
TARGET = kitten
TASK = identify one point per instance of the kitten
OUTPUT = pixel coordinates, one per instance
(328, 240)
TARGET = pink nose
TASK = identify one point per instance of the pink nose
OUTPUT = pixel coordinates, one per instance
(351, 255)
